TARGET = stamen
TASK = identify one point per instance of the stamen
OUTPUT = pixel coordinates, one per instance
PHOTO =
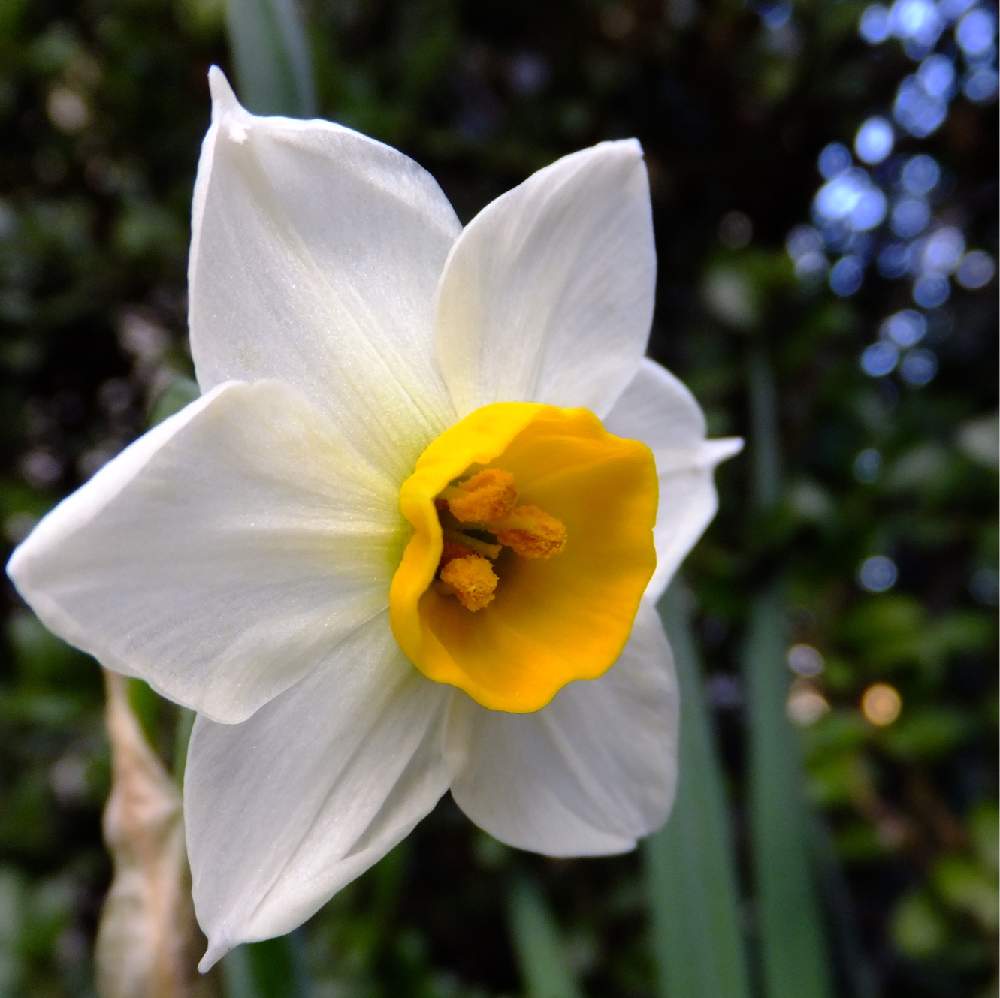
(452, 549)
(486, 502)
(467, 545)
(471, 580)
(531, 532)
(488, 495)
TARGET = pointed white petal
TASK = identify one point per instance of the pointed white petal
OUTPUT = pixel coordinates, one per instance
(659, 410)
(314, 259)
(285, 809)
(548, 293)
(587, 775)
(222, 555)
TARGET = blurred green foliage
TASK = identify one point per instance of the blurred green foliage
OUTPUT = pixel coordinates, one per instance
(102, 109)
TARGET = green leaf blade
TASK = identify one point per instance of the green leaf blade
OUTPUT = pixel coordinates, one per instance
(537, 945)
(274, 968)
(689, 867)
(271, 57)
(792, 938)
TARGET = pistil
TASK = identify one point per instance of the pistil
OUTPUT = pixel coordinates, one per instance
(470, 544)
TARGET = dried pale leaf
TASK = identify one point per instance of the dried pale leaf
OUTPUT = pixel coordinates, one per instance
(148, 941)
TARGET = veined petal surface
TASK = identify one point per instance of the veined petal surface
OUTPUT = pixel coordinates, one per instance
(223, 555)
(659, 410)
(315, 256)
(285, 809)
(586, 775)
(547, 295)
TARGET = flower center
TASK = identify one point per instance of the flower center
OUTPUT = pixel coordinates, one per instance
(479, 519)
(532, 546)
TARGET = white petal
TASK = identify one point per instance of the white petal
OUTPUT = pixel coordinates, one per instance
(222, 555)
(285, 809)
(587, 775)
(657, 409)
(548, 293)
(315, 256)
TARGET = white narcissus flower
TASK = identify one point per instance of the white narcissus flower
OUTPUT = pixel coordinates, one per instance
(404, 542)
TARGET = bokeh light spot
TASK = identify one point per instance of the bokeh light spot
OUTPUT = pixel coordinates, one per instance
(881, 704)
(976, 31)
(918, 368)
(920, 175)
(803, 239)
(937, 76)
(910, 216)
(874, 24)
(915, 20)
(931, 290)
(67, 110)
(879, 359)
(810, 266)
(868, 465)
(870, 210)
(874, 140)
(919, 112)
(943, 250)
(833, 159)
(805, 704)
(976, 270)
(837, 198)
(804, 660)
(980, 85)
(905, 328)
(877, 574)
(846, 276)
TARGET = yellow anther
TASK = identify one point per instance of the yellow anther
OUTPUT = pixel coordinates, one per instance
(471, 580)
(531, 532)
(487, 500)
(487, 495)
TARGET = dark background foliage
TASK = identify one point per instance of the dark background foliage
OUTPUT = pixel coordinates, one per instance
(884, 533)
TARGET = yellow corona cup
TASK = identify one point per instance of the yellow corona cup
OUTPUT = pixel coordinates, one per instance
(553, 618)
